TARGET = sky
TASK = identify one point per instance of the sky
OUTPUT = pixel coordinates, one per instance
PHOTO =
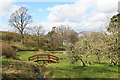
(80, 15)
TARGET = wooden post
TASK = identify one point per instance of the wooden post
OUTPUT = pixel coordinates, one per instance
(49, 58)
(37, 57)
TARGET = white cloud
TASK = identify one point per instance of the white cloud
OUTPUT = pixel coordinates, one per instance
(4, 27)
(107, 5)
(81, 15)
(6, 7)
(85, 14)
(48, 25)
(39, 9)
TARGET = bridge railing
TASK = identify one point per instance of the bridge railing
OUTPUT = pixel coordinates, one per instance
(54, 58)
(42, 57)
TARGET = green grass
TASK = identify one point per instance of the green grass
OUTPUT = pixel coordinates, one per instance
(61, 55)
(5, 60)
(65, 70)
(23, 55)
(18, 69)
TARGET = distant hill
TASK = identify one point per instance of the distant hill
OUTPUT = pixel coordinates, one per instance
(83, 33)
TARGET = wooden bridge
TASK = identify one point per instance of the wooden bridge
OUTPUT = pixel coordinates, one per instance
(44, 57)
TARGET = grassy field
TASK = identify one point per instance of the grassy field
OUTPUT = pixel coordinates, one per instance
(66, 70)
(63, 69)
(23, 55)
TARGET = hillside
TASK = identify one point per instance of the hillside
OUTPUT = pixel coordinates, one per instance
(31, 42)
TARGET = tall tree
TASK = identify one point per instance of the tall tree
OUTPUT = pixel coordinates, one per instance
(63, 35)
(114, 25)
(68, 35)
(55, 37)
(71, 36)
(19, 20)
(38, 31)
(62, 30)
(114, 44)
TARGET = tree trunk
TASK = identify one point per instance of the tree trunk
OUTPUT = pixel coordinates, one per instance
(98, 59)
(86, 58)
(114, 63)
(22, 38)
(38, 43)
(83, 63)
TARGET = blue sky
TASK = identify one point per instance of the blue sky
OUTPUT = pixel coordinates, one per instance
(80, 15)
(34, 10)
(40, 16)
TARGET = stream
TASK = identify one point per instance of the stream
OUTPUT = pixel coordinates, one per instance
(38, 76)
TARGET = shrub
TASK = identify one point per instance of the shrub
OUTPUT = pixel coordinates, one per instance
(8, 51)
(18, 70)
(10, 36)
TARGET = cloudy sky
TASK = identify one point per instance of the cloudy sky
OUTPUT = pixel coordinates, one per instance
(80, 15)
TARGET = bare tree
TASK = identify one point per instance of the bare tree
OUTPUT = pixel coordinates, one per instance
(56, 38)
(62, 35)
(19, 20)
(38, 31)
(68, 35)
(71, 36)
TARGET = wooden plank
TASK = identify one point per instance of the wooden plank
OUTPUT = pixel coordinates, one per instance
(54, 61)
(39, 55)
(41, 60)
(53, 58)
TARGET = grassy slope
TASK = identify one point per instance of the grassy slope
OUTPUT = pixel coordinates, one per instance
(18, 69)
(63, 69)
(23, 55)
(66, 70)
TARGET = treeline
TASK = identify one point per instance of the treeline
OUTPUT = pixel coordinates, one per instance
(102, 44)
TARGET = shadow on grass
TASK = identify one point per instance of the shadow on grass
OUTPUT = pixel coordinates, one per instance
(92, 71)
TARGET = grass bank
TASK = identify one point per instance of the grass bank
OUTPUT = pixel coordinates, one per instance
(65, 70)
(59, 70)
(18, 69)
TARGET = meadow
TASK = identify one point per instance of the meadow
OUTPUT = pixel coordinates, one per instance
(64, 69)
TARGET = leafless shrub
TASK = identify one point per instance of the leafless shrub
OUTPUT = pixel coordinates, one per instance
(8, 52)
